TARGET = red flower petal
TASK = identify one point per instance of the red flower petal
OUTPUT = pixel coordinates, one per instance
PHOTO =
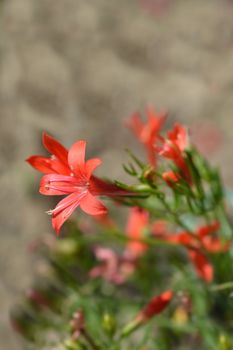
(135, 124)
(182, 238)
(90, 205)
(137, 221)
(64, 209)
(208, 229)
(48, 165)
(202, 265)
(215, 245)
(55, 148)
(155, 120)
(56, 184)
(179, 137)
(76, 155)
(42, 164)
(91, 165)
(170, 177)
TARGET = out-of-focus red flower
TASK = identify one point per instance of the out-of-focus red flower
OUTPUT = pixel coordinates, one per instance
(156, 7)
(137, 221)
(67, 173)
(148, 132)
(113, 268)
(170, 177)
(156, 305)
(202, 265)
(178, 136)
(173, 147)
(196, 247)
(159, 228)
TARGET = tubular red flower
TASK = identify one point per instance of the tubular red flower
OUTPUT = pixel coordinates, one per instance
(156, 305)
(148, 133)
(195, 247)
(173, 148)
(67, 173)
(203, 267)
(137, 221)
(179, 137)
(170, 177)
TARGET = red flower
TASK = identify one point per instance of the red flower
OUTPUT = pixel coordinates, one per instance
(195, 247)
(173, 148)
(148, 133)
(156, 305)
(137, 221)
(68, 174)
(178, 136)
(202, 265)
(170, 177)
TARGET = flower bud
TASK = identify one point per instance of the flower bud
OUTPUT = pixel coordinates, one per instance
(109, 324)
(156, 305)
(77, 324)
(67, 248)
(224, 342)
(170, 177)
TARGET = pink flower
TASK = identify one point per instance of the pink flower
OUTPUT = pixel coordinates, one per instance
(113, 268)
(67, 173)
(148, 133)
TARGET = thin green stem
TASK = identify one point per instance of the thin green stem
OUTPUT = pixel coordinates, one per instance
(220, 287)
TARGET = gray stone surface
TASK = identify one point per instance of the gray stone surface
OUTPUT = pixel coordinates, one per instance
(77, 69)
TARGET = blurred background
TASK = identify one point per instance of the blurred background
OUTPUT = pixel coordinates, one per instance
(78, 69)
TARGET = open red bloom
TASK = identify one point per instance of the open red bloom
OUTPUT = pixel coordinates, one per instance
(173, 147)
(67, 173)
(137, 221)
(148, 133)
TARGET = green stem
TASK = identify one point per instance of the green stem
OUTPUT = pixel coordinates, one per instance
(223, 286)
(90, 341)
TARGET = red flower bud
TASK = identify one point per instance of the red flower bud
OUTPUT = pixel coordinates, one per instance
(170, 177)
(156, 305)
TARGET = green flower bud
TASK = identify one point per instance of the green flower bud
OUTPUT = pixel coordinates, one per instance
(224, 342)
(109, 324)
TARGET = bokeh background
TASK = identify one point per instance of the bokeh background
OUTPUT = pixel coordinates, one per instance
(78, 69)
